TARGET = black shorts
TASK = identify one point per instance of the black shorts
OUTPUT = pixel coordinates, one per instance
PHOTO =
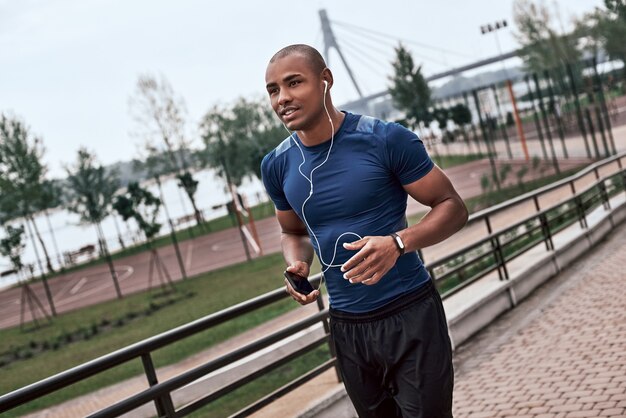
(396, 361)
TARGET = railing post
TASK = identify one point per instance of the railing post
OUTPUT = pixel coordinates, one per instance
(543, 219)
(619, 164)
(488, 225)
(502, 259)
(496, 256)
(605, 195)
(544, 229)
(326, 325)
(494, 248)
(579, 209)
(164, 405)
(602, 189)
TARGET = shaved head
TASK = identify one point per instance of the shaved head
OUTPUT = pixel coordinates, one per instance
(312, 55)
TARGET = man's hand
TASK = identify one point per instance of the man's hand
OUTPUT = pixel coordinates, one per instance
(375, 257)
(301, 269)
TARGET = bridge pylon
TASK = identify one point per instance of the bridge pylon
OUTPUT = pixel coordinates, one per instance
(331, 42)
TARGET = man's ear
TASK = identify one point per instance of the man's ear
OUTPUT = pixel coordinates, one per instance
(327, 77)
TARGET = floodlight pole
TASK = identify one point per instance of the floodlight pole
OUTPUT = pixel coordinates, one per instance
(484, 29)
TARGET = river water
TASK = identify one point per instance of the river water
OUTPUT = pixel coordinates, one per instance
(70, 234)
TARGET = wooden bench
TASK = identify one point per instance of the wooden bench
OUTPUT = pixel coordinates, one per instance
(87, 251)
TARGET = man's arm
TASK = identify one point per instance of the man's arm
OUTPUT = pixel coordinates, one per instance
(297, 251)
(448, 214)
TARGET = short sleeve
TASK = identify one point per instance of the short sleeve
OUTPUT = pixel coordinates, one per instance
(407, 154)
(272, 183)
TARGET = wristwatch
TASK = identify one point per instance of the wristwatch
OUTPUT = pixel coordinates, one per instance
(399, 243)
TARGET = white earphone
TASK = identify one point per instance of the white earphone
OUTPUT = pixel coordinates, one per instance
(325, 265)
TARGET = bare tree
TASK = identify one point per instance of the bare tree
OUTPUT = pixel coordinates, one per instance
(159, 113)
(543, 47)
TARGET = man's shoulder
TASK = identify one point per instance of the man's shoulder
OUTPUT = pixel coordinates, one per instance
(364, 125)
(280, 149)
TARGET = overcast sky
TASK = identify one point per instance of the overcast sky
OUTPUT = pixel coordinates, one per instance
(68, 67)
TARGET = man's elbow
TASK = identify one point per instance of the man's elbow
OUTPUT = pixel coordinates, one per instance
(463, 213)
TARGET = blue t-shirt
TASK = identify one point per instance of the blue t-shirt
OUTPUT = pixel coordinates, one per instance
(357, 190)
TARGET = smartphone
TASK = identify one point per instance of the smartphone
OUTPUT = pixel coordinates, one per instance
(300, 284)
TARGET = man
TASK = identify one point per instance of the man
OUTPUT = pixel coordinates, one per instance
(340, 183)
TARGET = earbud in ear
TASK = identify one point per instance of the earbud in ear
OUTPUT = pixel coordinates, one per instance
(325, 84)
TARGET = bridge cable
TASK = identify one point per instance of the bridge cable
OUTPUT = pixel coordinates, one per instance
(421, 44)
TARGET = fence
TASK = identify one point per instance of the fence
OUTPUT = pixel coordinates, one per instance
(452, 273)
(491, 253)
(573, 99)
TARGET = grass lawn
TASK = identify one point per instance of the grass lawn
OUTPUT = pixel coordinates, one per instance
(198, 297)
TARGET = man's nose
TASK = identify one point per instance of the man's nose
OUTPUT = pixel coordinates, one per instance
(284, 97)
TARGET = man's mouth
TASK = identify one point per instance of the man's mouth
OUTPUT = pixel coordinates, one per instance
(285, 113)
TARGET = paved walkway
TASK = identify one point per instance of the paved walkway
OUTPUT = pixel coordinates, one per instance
(560, 354)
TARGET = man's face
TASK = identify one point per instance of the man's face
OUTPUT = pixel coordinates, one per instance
(296, 92)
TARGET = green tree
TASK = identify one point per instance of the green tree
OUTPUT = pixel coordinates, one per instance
(91, 197)
(461, 116)
(618, 7)
(142, 206)
(22, 175)
(613, 28)
(409, 90)
(237, 137)
(606, 29)
(441, 115)
(12, 246)
(542, 46)
(159, 113)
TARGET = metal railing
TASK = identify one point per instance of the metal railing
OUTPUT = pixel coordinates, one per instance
(160, 392)
(494, 252)
(450, 273)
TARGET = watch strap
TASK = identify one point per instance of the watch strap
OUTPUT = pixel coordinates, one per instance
(399, 243)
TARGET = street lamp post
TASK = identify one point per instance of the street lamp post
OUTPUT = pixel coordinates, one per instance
(488, 28)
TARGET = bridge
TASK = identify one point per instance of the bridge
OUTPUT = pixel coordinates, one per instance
(379, 104)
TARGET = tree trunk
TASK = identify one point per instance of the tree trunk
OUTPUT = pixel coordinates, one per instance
(54, 240)
(179, 257)
(105, 249)
(196, 211)
(43, 276)
(43, 245)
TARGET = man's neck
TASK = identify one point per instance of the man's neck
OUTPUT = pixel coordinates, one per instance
(321, 132)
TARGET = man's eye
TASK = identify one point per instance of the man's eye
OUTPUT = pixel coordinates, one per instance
(294, 83)
(272, 91)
